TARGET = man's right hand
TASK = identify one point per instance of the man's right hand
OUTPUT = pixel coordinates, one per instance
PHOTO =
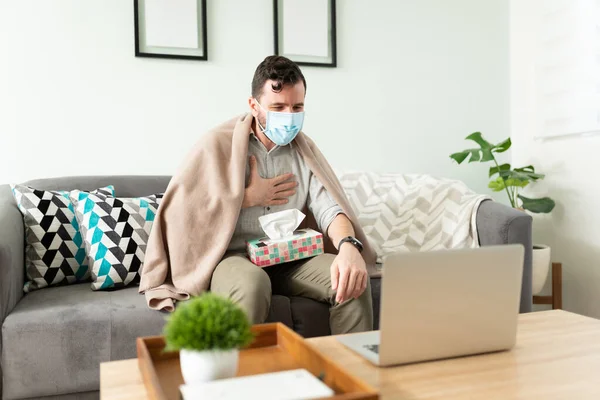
(267, 192)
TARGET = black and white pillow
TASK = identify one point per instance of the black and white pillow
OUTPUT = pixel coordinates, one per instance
(115, 232)
(54, 250)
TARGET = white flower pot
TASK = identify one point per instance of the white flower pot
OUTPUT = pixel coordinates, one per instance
(203, 366)
(540, 267)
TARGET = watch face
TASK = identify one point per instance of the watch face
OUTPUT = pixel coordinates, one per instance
(358, 244)
(354, 241)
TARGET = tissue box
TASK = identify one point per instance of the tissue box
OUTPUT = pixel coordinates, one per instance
(304, 243)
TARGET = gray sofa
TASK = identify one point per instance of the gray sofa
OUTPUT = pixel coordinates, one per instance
(54, 339)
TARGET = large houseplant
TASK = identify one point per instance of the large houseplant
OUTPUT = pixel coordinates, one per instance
(208, 330)
(512, 180)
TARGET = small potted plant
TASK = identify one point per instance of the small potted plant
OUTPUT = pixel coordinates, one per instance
(513, 180)
(208, 331)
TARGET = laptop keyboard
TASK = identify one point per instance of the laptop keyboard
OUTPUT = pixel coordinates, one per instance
(372, 347)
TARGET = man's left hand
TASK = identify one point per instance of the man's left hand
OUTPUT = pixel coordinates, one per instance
(348, 273)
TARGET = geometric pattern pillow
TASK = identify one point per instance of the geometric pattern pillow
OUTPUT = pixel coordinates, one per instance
(115, 232)
(54, 251)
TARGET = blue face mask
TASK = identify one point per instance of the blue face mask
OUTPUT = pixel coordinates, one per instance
(282, 127)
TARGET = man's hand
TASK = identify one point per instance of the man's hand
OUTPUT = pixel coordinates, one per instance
(267, 192)
(348, 273)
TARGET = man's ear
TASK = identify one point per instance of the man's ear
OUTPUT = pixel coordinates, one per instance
(253, 106)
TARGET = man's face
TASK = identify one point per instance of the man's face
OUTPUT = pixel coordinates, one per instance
(289, 99)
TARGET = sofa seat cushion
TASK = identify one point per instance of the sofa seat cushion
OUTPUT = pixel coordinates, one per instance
(311, 318)
(56, 338)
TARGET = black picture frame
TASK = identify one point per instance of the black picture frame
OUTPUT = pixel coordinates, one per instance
(331, 60)
(172, 53)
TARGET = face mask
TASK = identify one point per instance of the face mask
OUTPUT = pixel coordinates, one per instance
(282, 127)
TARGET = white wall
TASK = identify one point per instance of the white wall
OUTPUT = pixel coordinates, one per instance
(570, 165)
(414, 78)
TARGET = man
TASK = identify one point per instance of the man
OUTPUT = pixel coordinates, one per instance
(250, 166)
(278, 179)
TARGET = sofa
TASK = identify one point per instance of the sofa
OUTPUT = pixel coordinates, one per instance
(54, 339)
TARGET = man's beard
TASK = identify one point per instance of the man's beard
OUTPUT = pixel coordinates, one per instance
(262, 121)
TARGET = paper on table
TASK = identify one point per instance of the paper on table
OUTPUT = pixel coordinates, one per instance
(281, 224)
(172, 23)
(286, 385)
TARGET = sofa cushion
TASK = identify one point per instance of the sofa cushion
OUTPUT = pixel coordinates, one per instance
(54, 251)
(55, 339)
(280, 311)
(311, 318)
(115, 232)
(95, 395)
(376, 296)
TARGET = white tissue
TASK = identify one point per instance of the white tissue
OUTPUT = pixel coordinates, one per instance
(281, 224)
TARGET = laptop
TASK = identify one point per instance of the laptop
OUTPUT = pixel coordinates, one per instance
(444, 304)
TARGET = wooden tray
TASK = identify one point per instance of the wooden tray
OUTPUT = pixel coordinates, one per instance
(275, 348)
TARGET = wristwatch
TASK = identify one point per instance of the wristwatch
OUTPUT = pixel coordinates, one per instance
(354, 241)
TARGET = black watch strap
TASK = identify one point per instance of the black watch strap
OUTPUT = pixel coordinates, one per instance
(354, 241)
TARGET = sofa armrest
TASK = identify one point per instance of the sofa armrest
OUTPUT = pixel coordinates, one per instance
(499, 224)
(12, 253)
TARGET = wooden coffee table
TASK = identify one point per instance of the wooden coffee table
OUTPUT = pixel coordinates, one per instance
(557, 357)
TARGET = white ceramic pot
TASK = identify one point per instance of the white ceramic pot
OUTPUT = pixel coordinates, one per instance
(540, 267)
(203, 366)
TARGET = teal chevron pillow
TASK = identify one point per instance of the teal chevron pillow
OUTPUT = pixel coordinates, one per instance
(115, 232)
(54, 250)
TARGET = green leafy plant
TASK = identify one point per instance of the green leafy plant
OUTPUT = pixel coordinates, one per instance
(512, 180)
(208, 322)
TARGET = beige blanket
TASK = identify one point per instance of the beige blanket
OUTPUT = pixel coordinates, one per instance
(200, 208)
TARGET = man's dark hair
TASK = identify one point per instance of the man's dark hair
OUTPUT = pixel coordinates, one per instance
(279, 69)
